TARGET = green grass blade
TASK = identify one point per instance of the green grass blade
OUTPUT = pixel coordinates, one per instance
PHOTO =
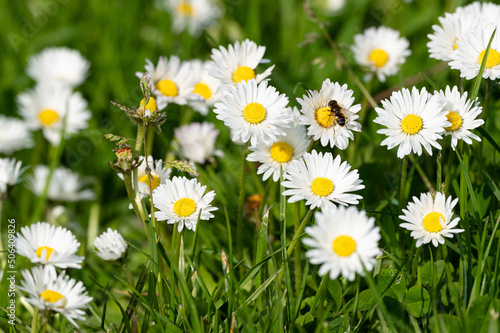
(477, 82)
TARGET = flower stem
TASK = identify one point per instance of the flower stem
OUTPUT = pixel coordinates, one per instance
(402, 187)
(299, 231)
(34, 322)
(129, 274)
(296, 253)
(127, 179)
(241, 202)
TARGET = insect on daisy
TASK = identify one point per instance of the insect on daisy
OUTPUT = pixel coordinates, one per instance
(45, 244)
(110, 245)
(180, 200)
(57, 293)
(412, 120)
(322, 123)
(430, 218)
(462, 114)
(322, 181)
(344, 242)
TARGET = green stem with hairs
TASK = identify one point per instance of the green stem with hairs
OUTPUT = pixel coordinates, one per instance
(402, 187)
(298, 232)
(311, 145)
(34, 322)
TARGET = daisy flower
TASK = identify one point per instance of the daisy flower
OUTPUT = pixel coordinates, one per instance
(462, 114)
(206, 87)
(413, 120)
(238, 63)
(321, 123)
(172, 81)
(343, 241)
(159, 173)
(10, 171)
(470, 53)
(322, 181)
(14, 136)
(59, 64)
(110, 245)
(430, 218)
(381, 50)
(51, 106)
(180, 200)
(280, 152)
(193, 15)
(58, 293)
(43, 243)
(254, 112)
(197, 141)
(65, 185)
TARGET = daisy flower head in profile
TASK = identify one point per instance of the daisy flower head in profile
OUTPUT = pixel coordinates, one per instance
(430, 218)
(343, 240)
(325, 125)
(197, 142)
(412, 120)
(49, 291)
(238, 63)
(279, 153)
(207, 88)
(381, 51)
(50, 107)
(45, 244)
(10, 171)
(469, 55)
(65, 185)
(322, 181)
(172, 81)
(180, 201)
(15, 135)
(192, 15)
(254, 111)
(59, 64)
(111, 246)
(462, 114)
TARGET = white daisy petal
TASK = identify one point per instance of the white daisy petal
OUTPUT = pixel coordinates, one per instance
(197, 142)
(110, 245)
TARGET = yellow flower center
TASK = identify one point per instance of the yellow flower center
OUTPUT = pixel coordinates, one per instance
(344, 246)
(254, 113)
(281, 152)
(184, 9)
(151, 106)
(455, 120)
(154, 182)
(48, 117)
(431, 222)
(324, 117)
(493, 58)
(322, 186)
(52, 296)
(167, 88)
(47, 254)
(379, 57)
(203, 90)
(411, 124)
(455, 46)
(184, 207)
(243, 73)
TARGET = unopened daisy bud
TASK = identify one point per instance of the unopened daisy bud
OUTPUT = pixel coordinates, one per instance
(124, 158)
(111, 246)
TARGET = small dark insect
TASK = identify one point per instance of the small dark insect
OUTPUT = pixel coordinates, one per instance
(338, 112)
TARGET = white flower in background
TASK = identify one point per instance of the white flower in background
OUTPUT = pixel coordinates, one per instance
(180, 200)
(490, 12)
(280, 153)
(430, 218)
(14, 135)
(58, 293)
(207, 87)
(172, 81)
(197, 142)
(43, 243)
(381, 50)
(10, 171)
(322, 181)
(238, 63)
(110, 245)
(462, 114)
(65, 185)
(192, 15)
(51, 106)
(254, 112)
(321, 123)
(59, 64)
(343, 241)
(412, 120)
(329, 7)
(471, 50)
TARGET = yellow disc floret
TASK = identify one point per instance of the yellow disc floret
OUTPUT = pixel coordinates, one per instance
(203, 90)
(48, 117)
(344, 246)
(322, 186)
(324, 117)
(184, 9)
(493, 58)
(281, 152)
(411, 124)
(151, 106)
(244, 73)
(184, 207)
(167, 88)
(431, 222)
(39, 252)
(254, 113)
(154, 182)
(379, 57)
(52, 296)
(455, 120)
